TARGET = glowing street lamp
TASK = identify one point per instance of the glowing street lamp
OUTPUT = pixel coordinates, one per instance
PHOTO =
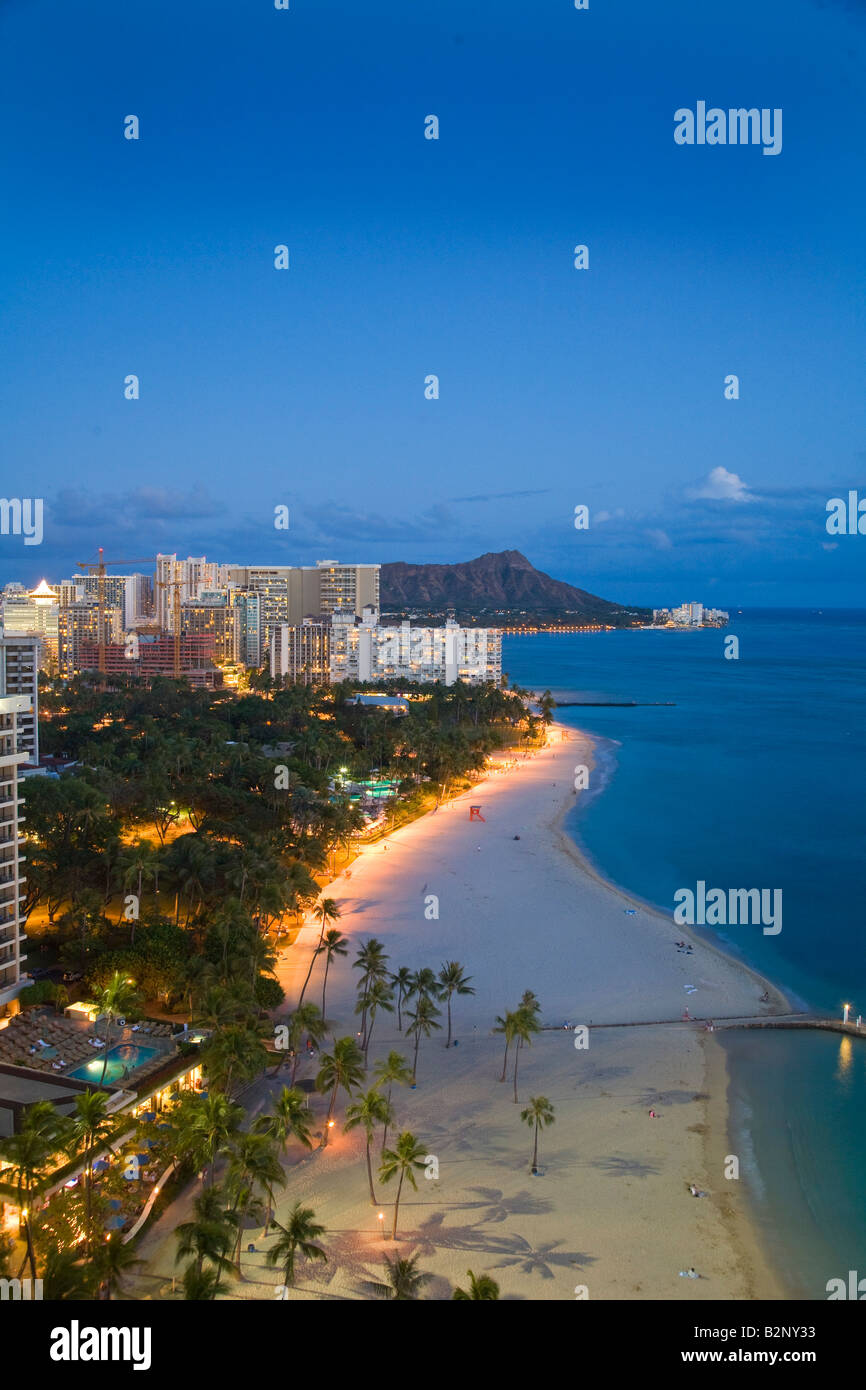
(846, 1009)
(381, 1219)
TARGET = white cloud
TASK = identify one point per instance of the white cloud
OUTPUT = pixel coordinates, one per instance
(722, 486)
(660, 539)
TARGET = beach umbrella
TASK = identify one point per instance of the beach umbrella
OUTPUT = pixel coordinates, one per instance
(143, 1158)
(114, 1223)
(99, 1165)
(149, 1115)
(114, 1203)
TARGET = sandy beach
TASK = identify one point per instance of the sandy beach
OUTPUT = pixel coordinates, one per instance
(610, 1215)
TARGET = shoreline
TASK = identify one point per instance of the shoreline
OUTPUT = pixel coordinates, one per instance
(610, 1206)
(739, 1221)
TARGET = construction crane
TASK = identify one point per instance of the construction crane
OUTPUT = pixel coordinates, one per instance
(98, 567)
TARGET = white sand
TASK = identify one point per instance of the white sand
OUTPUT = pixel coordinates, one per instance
(611, 1210)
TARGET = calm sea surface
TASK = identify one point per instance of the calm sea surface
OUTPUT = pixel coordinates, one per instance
(753, 778)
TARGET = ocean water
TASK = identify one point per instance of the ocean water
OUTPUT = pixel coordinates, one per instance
(753, 777)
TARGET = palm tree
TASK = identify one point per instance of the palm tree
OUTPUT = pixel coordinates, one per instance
(423, 1020)
(29, 1156)
(328, 911)
(209, 1236)
(207, 1124)
(368, 1110)
(136, 863)
(405, 1160)
(200, 1285)
(538, 1113)
(373, 964)
(334, 944)
(525, 1028)
(67, 1277)
(300, 1233)
(423, 982)
(253, 1165)
(401, 981)
(379, 995)
(547, 705)
(453, 981)
(290, 1118)
(90, 1126)
(308, 1019)
(118, 997)
(113, 1262)
(234, 1055)
(392, 1069)
(482, 1289)
(508, 1026)
(403, 1280)
(342, 1068)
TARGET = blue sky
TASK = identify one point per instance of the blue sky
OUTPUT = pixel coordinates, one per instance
(454, 257)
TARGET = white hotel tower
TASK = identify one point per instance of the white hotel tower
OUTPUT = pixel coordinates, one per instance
(12, 707)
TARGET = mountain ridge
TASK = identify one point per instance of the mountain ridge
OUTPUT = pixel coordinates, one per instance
(502, 580)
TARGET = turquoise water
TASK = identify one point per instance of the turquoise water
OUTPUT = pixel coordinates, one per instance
(754, 778)
(124, 1057)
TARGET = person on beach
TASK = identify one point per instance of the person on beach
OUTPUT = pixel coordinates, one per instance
(653, 1115)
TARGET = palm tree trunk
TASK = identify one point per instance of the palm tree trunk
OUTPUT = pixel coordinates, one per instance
(312, 963)
(370, 1172)
(505, 1059)
(399, 1014)
(396, 1208)
(325, 981)
(448, 1039)
(516, 1061)
(535, 1149)
(369, 1036)
(105, 1058)
(415, 1058)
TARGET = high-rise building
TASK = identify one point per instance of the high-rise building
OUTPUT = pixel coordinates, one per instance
(191, 575)
(34, 613)
(78, 625)
(12, 921)
(19, 675)
(211, 615)
(301, 652)
(347, 586)
(246, 608)
(131, 593)
(367, 651)
(291, 593)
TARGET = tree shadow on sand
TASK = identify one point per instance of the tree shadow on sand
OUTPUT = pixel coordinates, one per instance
(499, 1208)
(654, 1098)
(618, 1167)
(544, 1259)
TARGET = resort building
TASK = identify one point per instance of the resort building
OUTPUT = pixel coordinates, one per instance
(19, 675)
(367, 651)
(34, 613)
(78, 635)
(12, 709)
(301, 652)
(211, 616)
(144, 1077)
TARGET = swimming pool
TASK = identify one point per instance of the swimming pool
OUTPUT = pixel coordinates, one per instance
(123, 1058)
